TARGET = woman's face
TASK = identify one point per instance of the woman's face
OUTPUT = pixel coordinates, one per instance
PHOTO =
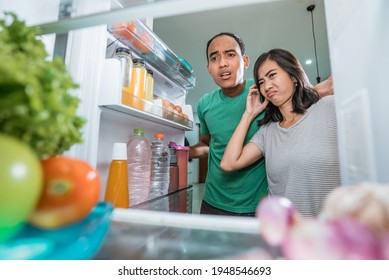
(275, 84)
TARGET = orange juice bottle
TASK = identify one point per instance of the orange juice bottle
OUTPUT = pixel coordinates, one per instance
(117, 185)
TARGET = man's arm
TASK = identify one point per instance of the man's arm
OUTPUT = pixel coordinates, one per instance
(200, 150)
(325, 87)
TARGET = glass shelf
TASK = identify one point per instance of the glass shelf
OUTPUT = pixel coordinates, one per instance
(131, 9)
(154, 235)
(137, 36)
(152, 112)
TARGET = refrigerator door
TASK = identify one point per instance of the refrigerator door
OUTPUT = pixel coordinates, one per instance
(359, 60)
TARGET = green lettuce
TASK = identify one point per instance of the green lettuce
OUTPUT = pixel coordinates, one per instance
(35, 103)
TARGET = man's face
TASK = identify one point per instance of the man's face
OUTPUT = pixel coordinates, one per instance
(225, 62)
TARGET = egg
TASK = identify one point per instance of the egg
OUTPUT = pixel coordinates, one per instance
(170, 108)
(178, 108)
(165, 103)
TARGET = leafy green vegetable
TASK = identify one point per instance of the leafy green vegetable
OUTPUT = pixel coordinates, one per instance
(35, 103)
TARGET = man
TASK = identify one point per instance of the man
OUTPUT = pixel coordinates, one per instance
(229, 193)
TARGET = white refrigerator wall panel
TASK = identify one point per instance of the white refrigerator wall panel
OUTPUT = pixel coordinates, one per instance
(359, 43)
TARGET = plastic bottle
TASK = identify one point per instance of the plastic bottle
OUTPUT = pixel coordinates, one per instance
(139, 162)
(160, 165)
(117, 184)
(138, 84)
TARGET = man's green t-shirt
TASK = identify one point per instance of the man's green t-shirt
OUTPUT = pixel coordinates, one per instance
(237, 191)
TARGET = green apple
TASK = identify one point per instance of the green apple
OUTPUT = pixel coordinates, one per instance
(21, 184)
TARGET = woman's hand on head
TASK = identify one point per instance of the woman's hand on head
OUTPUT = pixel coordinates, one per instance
(254, 106)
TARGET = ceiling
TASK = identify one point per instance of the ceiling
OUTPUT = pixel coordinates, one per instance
(282, 24)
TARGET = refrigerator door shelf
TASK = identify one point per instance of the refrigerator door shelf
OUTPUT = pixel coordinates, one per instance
(137, 36)
(111, 98)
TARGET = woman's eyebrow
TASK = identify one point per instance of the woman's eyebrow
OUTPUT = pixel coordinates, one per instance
(267, 74)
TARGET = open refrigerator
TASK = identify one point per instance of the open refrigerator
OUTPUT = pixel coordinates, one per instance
(81, 31)
(86, 33)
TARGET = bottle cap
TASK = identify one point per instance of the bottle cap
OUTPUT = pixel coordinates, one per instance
(139, 131)
(119, 151)
(124, 50)
(159, 135)
(150, 71)
(178, 147)
(139, 60)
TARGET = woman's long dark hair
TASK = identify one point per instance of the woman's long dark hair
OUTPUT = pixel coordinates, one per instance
(304, 96)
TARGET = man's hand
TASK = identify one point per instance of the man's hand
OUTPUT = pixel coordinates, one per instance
(201, 149)
(325, 87)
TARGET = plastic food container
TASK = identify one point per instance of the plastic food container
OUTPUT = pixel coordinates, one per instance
(182, 153)
(144, 42)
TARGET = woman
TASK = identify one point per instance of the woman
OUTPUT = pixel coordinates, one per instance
(297, 137)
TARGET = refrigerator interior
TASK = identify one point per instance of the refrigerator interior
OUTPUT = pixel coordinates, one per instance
(358, 40)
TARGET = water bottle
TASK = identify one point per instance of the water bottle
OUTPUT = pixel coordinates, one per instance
(160, 166)
(139, 162)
